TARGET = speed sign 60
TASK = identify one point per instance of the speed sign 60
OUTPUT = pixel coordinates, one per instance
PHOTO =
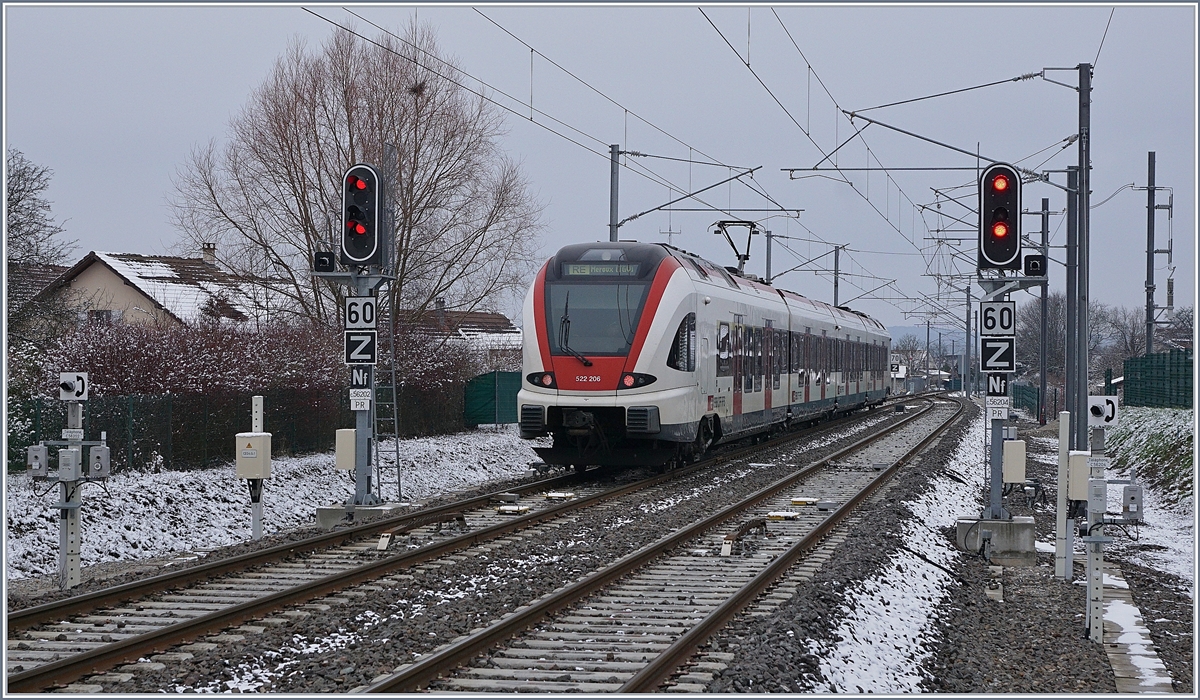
(998, 318)
(360, 313)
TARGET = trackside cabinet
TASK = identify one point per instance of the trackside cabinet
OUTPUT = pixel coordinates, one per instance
(1014, 461)
(253, 455)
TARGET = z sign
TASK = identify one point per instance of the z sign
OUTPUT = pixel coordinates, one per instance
(998, 354)
(360, 347)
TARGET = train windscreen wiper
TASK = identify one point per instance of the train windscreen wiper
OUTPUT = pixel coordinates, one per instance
(564, 332)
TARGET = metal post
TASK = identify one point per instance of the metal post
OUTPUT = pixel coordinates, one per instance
(614, 152)
(1097, 504)
(837, 249)
(968, 371)
(1070, 357)
(257, 422)
(1150, 255)
(975, 342)
(69, 535)
(1063, 527)
(362, 424)
(391, 177)
(1085, 179)
(768, 257)
(1045, 308)
(927, 322)
(996, 475)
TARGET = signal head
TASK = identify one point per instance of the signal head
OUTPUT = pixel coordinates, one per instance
(1000, 218)
(361, 195)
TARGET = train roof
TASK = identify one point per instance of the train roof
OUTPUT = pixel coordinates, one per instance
(839, 313)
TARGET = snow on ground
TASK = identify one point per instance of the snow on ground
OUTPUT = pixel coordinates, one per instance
(1169, 531)
(882, 653)
(138, 515)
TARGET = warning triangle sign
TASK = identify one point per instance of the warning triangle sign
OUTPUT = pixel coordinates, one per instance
(249, 446)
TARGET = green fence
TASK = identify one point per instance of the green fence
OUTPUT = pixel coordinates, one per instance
(186, 431)
(1161, 380)
(491, 398)
(1025, 397)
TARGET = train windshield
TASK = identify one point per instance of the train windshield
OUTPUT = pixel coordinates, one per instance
(593, 318)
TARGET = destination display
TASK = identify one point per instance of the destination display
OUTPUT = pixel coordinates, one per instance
(600, 269)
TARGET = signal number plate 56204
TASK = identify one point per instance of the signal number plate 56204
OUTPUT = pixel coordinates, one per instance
(587, 378)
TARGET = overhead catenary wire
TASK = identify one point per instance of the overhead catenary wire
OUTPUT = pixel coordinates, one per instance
(636, 168)
(788, 113)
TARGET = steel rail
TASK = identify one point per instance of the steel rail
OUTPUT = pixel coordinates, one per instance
(419, 674)
(663, 666)
(108, 656)
(56, 610)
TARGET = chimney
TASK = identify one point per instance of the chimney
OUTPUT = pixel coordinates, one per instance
(440, 305)
(208, 251)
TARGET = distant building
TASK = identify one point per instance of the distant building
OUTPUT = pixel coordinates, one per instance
(134, 288)
(490, 333)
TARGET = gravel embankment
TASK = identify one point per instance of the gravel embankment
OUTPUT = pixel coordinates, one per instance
(1032, 642)
(347, 645)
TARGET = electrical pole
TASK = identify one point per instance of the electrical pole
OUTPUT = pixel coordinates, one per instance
(769, 258)
(1150, 255)
(1084, 218)
(614, 153)
(1045, 307)
(836, 250)
(927, 322)
(1070, 357)
(968, 371)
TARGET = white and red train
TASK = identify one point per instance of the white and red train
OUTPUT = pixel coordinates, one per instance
(644, 354)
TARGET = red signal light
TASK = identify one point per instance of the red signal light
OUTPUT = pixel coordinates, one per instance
(627, 380)
(352, 181)
(547, 379)
(361, 184)
(999, 229)
(359, 228)
(1000, 183)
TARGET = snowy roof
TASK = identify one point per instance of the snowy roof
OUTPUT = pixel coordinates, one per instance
(480, 329)
(26, 280)
(186, 288)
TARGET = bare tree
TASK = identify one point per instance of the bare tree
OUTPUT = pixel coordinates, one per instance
(33, 237)
(465, 222)
(1029, 334)
(909, 348)
(1178, 333)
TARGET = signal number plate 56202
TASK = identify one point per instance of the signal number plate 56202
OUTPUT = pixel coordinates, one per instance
(587, 378)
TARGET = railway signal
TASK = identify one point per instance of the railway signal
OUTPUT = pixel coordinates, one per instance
(1000, 218)
(360, 217)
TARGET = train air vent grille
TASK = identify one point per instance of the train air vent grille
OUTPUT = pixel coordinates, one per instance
(642, 419)
(532, 418)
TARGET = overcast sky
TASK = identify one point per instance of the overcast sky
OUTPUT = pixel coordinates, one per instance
(114, 98)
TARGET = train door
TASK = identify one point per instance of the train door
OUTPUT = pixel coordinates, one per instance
(725, 359)
(806, 369)
(823, 376)
(768, 363)
(739, 369)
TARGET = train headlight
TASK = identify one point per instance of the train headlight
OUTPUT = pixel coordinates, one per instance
(542, 379)
(632, 380)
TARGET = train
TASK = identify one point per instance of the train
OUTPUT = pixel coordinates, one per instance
(643, 354)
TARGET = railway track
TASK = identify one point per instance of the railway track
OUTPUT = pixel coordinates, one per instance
(56, 643)
(628, 627)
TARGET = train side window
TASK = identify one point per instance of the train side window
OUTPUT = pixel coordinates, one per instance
(703, 274)
(747, 359)
(682, 355)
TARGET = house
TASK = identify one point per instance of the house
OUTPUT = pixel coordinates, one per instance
(135, 288)
(491, 333)
(25, 280)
